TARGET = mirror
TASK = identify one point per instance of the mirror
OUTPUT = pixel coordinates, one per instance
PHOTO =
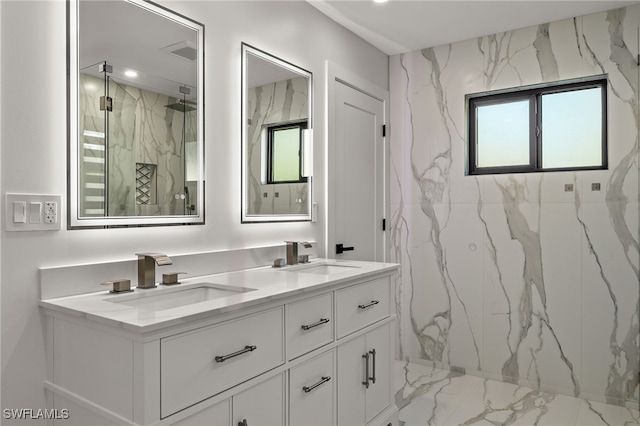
(276, 139)
(135, 115)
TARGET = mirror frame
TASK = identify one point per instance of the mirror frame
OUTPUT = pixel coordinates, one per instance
(308, 137)
(74, 219)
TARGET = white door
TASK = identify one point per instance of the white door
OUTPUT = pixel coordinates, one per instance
(359, 175)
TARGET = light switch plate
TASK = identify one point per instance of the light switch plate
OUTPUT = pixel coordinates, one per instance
(36, 218)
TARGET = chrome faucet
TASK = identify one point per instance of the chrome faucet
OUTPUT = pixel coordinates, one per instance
(147, 268)
(292, 251)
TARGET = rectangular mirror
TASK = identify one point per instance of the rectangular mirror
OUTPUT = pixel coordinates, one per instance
(276, 139)
(135, 115)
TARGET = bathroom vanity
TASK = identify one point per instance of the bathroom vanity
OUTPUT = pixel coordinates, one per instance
(310, 344)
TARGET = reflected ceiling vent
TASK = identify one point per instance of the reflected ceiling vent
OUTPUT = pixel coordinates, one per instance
(184, 49)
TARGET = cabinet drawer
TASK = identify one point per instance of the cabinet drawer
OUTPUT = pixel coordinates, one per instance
(204, 362)
(312, 391)
(309, 324)
(361, 305)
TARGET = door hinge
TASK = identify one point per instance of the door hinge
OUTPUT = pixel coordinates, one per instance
(384, 224)
(384, 130)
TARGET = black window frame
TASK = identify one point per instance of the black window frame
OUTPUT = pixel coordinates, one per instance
(270, 129)
(534, 95)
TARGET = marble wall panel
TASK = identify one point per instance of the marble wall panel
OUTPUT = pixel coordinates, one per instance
(549, 297)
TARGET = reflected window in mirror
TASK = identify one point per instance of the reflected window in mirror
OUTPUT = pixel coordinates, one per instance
(276, 139)
(136, 136)
(285, 153)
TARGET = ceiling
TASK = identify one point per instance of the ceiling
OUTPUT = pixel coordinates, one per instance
(400, 26)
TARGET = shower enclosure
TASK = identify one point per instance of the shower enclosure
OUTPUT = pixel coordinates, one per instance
(136, 145)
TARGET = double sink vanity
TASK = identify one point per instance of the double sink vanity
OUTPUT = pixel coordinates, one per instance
(237, 342)
(297, 345)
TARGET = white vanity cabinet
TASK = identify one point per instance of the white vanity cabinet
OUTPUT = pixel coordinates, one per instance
(320, 356)
(364, 375)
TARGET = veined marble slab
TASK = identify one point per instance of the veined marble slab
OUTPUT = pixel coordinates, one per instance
(511, 276)
(430, 396)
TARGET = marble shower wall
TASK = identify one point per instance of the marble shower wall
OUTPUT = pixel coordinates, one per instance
(141, 130)
(509, 276)
(274, 103)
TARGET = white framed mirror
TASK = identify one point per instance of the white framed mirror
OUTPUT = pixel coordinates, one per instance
(135, 119)
(276, 139)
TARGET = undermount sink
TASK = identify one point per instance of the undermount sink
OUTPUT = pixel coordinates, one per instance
(322, 269)
(169, 299)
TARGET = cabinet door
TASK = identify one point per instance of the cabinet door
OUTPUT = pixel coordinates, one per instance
(262, 404)
(217, 415)
(364, 374)
(351, 379)
(311, 392)
(378, 395)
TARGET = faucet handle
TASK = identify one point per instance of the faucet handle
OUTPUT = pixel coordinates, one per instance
(171, 278)
(122, 285)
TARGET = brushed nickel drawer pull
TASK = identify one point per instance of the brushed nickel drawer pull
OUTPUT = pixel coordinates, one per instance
(246, 349)
(315, 324)
(324, 380)
(368, 305)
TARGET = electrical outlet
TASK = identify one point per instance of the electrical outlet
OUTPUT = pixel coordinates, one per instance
(50, 212)
(32, 212)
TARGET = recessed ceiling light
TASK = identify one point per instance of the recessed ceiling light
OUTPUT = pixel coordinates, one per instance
(130, 73)
(380, 1)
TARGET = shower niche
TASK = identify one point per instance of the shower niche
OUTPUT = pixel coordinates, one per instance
(136, 116)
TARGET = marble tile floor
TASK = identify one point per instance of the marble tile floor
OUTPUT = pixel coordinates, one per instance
(430, 396)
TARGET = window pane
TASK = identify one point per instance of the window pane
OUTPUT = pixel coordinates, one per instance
(503, 134)
(286, 155)
(572, 129)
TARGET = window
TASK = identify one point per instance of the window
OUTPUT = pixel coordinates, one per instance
(285, 153)
(535, 129)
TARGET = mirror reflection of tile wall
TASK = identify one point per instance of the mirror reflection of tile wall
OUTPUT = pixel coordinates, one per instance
(142, 130)
(273, 103)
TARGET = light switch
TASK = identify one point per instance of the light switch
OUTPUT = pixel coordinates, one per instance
(35, 212)
(19, 211)
(32, 212)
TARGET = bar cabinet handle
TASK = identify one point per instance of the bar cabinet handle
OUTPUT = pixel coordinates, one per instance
(322, 381)
(315, 324)
(368, 305)
(366, 370)
(246, 349)
(373, 355)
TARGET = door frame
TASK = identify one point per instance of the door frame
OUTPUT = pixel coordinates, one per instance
(337, 74)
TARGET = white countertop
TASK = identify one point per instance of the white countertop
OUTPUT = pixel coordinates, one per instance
(266, 284)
